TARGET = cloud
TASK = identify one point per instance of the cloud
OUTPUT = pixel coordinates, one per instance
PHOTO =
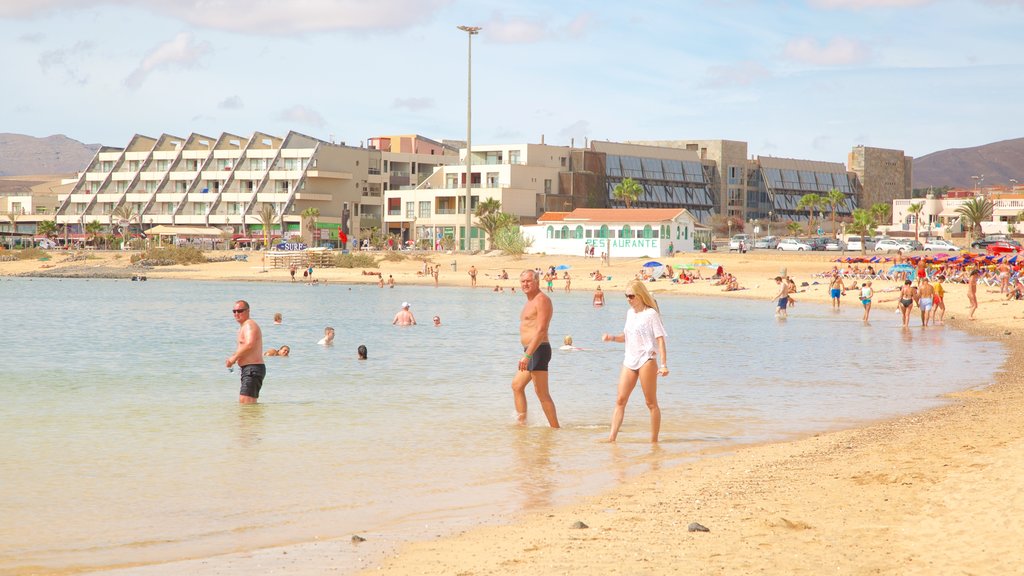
(738, 75)
(526, 31)
(183, 51)
(32, 37)
(300, 114)
(838, 52)
(231, 103)
(65, 60)
(269, 17)
(867, 4)
(578, 128)
(414, 104)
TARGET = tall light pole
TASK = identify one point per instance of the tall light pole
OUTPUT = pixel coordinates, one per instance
(977, 181)
(470, 32)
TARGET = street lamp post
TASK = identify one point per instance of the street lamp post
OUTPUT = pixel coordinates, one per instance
(470, 32)
(770, 214)
(977, 181)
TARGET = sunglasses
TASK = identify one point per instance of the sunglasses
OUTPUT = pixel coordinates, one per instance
(240, 310)
(630, 296)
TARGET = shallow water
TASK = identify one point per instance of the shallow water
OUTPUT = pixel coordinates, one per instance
(122, 442)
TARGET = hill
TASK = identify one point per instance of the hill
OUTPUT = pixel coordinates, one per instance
(997, 162)
(58, 154)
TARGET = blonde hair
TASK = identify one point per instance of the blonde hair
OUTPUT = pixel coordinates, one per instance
(567, 340)
(637, 287)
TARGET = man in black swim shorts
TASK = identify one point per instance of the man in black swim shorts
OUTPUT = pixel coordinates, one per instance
(533, 334)
(248, 355)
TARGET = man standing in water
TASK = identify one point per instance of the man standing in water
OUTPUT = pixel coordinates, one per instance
(533, 365)
(248, 355)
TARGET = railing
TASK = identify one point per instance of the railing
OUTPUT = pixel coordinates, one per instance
(442, 211)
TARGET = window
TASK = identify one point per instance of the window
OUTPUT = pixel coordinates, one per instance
(551, 232)
(513, 157)
(579, 232)
(424, 209)
(409, 211)
(547, 186)
(626, 232)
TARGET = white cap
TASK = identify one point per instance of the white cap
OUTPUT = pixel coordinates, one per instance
(405, 304)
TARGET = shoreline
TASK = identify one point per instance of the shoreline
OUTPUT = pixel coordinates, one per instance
(929, 492)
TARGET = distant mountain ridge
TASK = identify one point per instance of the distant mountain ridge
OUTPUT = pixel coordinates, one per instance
(998, 162)
(22, 155)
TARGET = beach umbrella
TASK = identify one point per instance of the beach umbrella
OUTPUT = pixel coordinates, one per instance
(561, 267)
(901, 268)
(685, 266)
(702, 262)
(652, 264)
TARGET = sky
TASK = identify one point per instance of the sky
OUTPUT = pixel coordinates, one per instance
(803, 79)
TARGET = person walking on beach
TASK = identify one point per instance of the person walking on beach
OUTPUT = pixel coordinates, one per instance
(644, 338)
(939, 300)
(972, 292)
(836, 288)
(926, 302)
(248, 354)
(533, 334)
(782, 298)
(906, 303)
(865, 299)
(404, 317)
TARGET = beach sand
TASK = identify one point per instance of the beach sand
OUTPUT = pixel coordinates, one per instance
(939, 492)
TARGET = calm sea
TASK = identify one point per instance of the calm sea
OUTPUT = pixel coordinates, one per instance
(121, 440)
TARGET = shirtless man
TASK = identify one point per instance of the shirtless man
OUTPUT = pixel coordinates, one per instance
(906, 303)
(836, 289)
(404, 317)
(926, 302)
(248, 355)
(533, 365)
(972, 292)
(472, 276)
(782, 298)
(1004, 277)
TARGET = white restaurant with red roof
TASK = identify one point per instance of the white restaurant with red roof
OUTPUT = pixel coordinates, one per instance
(617, 232)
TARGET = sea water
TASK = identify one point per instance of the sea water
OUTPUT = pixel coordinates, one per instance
(122, 442)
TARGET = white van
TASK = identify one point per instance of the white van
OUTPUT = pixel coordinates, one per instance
(734, 243)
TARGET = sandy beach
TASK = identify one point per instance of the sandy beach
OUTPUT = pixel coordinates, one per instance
(938, 492)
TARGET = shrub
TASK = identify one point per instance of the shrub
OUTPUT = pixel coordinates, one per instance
(167, 255)
(393, 256)
(32, 253)
(355, 260)
(512, 241)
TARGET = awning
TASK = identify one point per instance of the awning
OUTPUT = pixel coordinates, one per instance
(207, 231)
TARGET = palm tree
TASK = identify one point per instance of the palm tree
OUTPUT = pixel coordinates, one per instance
(47, 228)
(834, 198)
(811, 202)
(94, 229)
(863, 225)
(491, 219)
(495, 223)
(125, 213)
(267, 215)
(629, 191)
(915, 209)
(881, 212)
(310, 214)
(793, 227)
(975, 211)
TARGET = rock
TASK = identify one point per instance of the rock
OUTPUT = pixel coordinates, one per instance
(356, 539)
(695, 527)
(577, 525)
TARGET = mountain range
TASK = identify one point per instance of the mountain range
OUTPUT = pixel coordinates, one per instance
(998, 162)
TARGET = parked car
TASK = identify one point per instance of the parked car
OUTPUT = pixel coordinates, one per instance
(891, 245)
(793, 245)
(858, 243)
(992, 239)
(911, 243)
(940, 245)
(734, 242)
(817, 243)
(1002, 247)
(835, 245)
(767, 242)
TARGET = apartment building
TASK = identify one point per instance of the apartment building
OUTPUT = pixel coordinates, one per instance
(224, 182)
(407, 160)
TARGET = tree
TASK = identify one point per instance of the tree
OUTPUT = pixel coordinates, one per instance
(1016, 221)
(47, 228)
(95, 230)
(974, 212)
(486, 207)
(310, 215)
(267, 215)
(491, 219)
(811, 202)
(511, 240)
(863, 225)
(915, 209)
(834, 198)
(629, 191)
(793, 227)
(126, 213)
(881, 212)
